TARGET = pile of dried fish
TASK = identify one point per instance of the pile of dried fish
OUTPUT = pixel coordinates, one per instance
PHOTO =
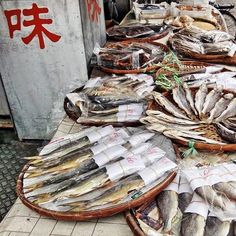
(135, 31)
(105, 163)
(180, 210)
(127, 56)
(112, 99)
(193, 39)
(195, 115)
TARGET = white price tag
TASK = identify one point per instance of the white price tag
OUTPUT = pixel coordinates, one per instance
(136, 139)
(174, 185)
(184, 186)
(109, 154)
(125, 167)
(96, 135)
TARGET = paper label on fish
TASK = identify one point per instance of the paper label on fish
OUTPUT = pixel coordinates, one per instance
(174, 185)
(130, 112)
(112, 140)
(109, 154)
(140, 138)
(156, 170)
(93, 82)
(184, 186)
(198, 206)
(96, 135)
(198, 177)
(125, 167)
(152, 155)
(143, 147)
(62, 141)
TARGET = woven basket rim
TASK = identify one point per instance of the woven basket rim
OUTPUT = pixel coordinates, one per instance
(84, 215)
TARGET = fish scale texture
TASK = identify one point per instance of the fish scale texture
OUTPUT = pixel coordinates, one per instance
(11, 164)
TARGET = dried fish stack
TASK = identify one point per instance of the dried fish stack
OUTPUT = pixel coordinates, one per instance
(96, 167)
(112, 99)
(203, 115)
(127, 56)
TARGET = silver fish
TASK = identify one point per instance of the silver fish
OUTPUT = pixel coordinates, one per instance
(169, 106)
(200, 98)
(229, 124)
(184, 200)
(226, 134)
(192, 224)
(212, 97)
(180, 99)
(167, 202)
(211, 197)
(214, 226)
(189, 98)
(162, 116)
(229, 112)
(220, 106)
(227, 189)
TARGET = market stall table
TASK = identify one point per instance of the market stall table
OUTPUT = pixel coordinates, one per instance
(21, 221)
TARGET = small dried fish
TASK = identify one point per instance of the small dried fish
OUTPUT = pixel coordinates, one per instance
(212, 97)
(181, 100)
(200, 98)
(226, 134)
(229, 124)
(164, 102)
(189, 98)
(220, 106)
(229, 112)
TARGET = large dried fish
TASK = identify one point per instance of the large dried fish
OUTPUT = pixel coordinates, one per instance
(189, 98)
(181, 100)
(229, 112)
(226, 189)
(212, 97)
(192, 224)
(214, 226)
(220, 106)
(168, 106)
(184, 200)
(200, 98)
(167, 202)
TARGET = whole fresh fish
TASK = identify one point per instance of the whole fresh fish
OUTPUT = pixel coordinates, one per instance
(211, 197)
(113, 195)
(214, 226)
(181, 100)
(167, 202)
(212, 97)
(200, 98)
(177, 134)
(184, 200)
(229, 112)
(192, 224)
(189, 98)
(226, 189)
(168, 106)
(226, 134)
(172, 119)
(220, 106)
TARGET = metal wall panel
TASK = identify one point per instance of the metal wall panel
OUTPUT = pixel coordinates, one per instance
(93, 31)
(36, 80)
(4, 111)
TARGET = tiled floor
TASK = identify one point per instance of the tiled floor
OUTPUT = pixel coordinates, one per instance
(21, 221)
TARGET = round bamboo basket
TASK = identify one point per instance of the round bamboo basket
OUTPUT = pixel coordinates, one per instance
(84, 215)
(135, 71)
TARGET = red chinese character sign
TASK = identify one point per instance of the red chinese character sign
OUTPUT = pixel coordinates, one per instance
(94, 10)
(39, 30)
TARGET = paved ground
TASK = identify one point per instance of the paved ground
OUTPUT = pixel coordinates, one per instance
(11, 163)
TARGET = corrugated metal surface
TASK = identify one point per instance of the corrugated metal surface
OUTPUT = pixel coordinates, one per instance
(37, 80)
(3, 102)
